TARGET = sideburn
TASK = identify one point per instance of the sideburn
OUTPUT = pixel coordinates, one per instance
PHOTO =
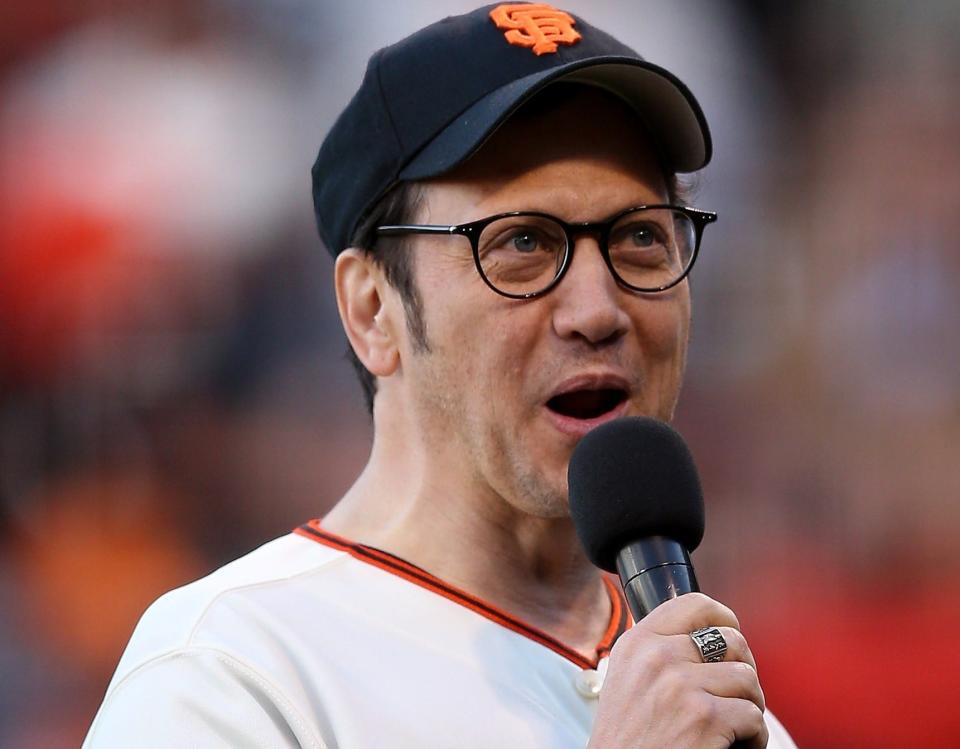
(416, 324)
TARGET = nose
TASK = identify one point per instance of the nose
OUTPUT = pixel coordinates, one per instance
(588, 302)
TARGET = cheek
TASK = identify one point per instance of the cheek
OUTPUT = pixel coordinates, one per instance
(499, 356)
(508, 346)
(664, 326)
(492, 351)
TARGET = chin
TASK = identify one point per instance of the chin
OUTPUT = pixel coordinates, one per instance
(559, 511)
(540, 498)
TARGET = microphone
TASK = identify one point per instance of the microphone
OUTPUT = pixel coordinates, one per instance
(637, 507)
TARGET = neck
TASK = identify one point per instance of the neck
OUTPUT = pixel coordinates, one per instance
(531, 567)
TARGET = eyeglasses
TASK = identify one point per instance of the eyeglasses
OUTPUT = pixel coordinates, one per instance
(524, 254)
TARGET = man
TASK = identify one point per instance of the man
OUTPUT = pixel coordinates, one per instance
(510, 273)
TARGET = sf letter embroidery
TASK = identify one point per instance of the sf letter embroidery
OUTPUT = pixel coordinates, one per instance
(539, 27)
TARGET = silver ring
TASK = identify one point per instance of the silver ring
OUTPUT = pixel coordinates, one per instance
(710, 643)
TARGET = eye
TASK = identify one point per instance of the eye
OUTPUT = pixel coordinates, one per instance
(522, 237)
(643, 236)
(636, 234)
(525, 241)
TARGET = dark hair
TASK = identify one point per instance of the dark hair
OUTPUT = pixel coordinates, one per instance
(398, 206)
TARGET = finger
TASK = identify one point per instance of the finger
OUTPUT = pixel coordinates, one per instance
(737, 648)
(687, 613)
(738, 680)
(744, 720)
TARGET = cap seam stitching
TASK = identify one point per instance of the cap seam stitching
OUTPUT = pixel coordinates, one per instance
(396, 169)
(386, 108)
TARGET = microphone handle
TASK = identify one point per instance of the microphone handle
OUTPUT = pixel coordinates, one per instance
(654, 570)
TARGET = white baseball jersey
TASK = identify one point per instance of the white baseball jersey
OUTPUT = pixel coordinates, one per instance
(314, 641)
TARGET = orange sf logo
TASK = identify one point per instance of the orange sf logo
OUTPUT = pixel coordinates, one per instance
(540, 27)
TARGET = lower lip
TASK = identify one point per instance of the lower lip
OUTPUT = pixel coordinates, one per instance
(579, 427)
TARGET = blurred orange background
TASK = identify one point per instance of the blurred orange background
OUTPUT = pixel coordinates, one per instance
(173, 390)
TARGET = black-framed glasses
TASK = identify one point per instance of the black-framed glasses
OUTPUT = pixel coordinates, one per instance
(524, 254)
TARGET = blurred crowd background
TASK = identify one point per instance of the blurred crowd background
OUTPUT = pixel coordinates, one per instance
(173, 389)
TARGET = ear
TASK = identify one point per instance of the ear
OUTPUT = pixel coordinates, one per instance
(362, 301)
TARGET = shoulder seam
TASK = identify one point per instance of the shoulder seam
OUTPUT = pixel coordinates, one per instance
(188, 642)
(232, 662)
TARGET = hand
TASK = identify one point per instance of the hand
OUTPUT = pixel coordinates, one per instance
(658, 692)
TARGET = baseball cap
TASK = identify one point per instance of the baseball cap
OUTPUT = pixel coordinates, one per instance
(430, 101)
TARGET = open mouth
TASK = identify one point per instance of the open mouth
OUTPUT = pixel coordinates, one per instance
(587, 404)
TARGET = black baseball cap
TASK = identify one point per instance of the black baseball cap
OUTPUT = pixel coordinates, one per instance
(428, 102)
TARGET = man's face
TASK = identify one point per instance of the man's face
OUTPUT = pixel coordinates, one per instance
(509, 386)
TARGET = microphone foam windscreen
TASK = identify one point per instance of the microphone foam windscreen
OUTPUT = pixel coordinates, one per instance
(629, 479)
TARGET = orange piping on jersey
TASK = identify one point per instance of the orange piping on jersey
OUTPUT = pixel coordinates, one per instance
(618, 618)
(418, 576)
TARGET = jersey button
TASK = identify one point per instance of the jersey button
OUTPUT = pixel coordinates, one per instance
(588, 683)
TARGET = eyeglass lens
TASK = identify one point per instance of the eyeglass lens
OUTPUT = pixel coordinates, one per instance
(649, 249)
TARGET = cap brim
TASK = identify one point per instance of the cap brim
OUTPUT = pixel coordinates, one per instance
(663, 103)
